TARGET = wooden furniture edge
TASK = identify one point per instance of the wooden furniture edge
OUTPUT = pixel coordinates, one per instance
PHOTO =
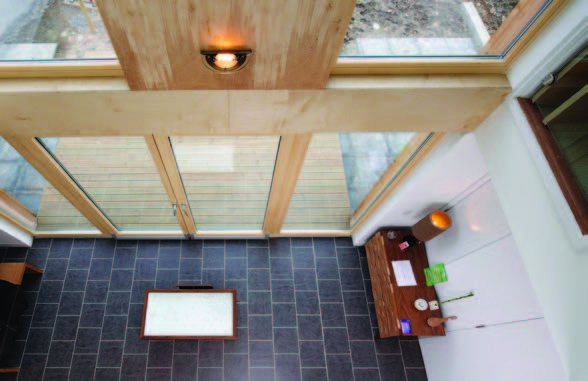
(18, 224)
(9, 370)
(14, 272)
(559, 167)
(291, 155)
(21, 212)
(36, 155)
(145, 303)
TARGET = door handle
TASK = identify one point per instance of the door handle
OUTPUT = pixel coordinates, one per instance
(184, 209)
(175, 208)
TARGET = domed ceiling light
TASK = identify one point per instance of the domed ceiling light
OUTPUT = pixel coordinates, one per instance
(226, 61)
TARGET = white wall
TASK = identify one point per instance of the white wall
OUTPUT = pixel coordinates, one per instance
(440, 179)
(13, 236)
(480, 256)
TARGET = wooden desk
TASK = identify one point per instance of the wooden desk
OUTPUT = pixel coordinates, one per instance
(14, 272)
(190, 314)
(395, 303)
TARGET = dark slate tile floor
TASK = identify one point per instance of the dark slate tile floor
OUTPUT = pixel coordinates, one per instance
(305, 312)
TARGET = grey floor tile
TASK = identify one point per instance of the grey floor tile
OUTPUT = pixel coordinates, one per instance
(258, 280)
(348, 258)
(355, 303)
(391, 368)
(114, 327)
(191, 249)
(363, 354)
(160, 353)
(258, 258)
(310, 327)
(281, 268)
(303, 258)
(285, 340)
(259, 303)
(279, 247)
(312, 354)
(124, 258)
(261, 374)
(71, 303)
(327, 268)
(60, 354)
(118, 303)
(148, 249)
(236, 367)
(282, 291)
(110, 354)
(305, 280)
(314, 374)
(83, 367)
(185, 346)
(367, 374)
(307, 303)
(287, 368)
(50, 291)
(210, 374)
(159, 374)
(411, 353)
(240, 286)
(351, 279)
(284, 314)
(88, 340)
(333, 315)
(133, 367)
(330, 291)
(210, 353)
(96, 291)
(66, 327)
(240, 345)
(56, 374)
(359, 328)
(416, 374)
(336, 340)
(339, 367)
(213, 258)
(92, 315)
(236, 249)
(261, 354)
(107, 374)
(324, 247)
(260, 327)
(185, 367)
(236, 268)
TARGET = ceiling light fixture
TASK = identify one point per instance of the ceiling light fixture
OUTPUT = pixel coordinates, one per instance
(226, 61)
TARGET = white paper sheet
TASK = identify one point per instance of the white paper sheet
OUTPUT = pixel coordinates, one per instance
(403, 273)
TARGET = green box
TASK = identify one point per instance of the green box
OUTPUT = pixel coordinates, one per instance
(436, 274)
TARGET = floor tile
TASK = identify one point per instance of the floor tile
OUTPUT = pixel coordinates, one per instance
(215, 277)
(359, 328)
(100, 269)
(285, 340)
(281, 268)
(185, 346)
(262, 374)
(55, 269)
(121, 280)
(343, 242)
(259, 303)
(355, 303)
(191, 249)
(107, 374)
(104, 248)
(310, 327)
(258, 280)
(284, 315)
(145, 269)
(312, 354)
(336, 340)
(159, 374)
(330, 291)
(118, 303)
(210, 374)
(236, 268)
(240, 286)
(260, 328)
(327, 268)
(92, 315)
(32, 367)
(124, 258)
(236, 367)
(82, 367)
(348, 258)
(351, 280)
(279, 247)
(367, 374)
(66, 327)
(307, 303)
(133, 343)
(50, 291)
(88, 340)
(96, 291)
(190, 269)
(138, 290)
(287, 368)
(210, 353)
(60, 248)
(324, 247)
(258, 258)
(339, 367)
(45, 315)
(416, 374)
(303, 258)
(114, 327)
(363, 354)
(135, 315)
(110, 353)
(148, 249)
(160, 353)
(134, 367)
(411, 353)
(213, 258)
(305, 280)
(333, 315)
(185, 367)
(391, 368)
(282, 291)
(314, 374)
(261, 353)
(60, 354)
(236, 249)
(56, 374)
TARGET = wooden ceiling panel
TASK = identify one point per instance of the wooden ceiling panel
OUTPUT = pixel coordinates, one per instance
(294, 42)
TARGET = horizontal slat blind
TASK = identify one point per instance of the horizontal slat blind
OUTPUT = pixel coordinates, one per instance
(119, 175)
(56, 213)
(320, 201)
(227, 179)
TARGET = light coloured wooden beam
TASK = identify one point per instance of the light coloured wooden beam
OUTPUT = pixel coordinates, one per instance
(32, 151)
(175, 181)
(165, 180)
(291, 155)
(382, 192)
(419, 103)
(294, 42)
(20, 215)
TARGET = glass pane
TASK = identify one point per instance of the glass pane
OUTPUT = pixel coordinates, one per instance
(423, 27)
(19, 179)
(52, 29)
(227, 179)
(120, 176)
(320, 200)
(366, 157)
(56, 213)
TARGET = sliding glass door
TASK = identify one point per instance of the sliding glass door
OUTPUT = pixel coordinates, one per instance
(227, 180)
